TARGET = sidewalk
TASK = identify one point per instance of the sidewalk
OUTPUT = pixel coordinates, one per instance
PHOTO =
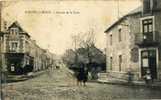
(17, 78)
(116, 81)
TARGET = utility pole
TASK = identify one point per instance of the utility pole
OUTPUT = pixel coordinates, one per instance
(118, 9)
(1, 92)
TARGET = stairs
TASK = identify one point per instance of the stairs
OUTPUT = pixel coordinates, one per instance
(102, 76)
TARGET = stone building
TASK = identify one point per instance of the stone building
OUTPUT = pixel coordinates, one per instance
(20, 51)
(15, 48)
(134, 42)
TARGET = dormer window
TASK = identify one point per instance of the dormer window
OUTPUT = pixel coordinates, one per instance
(14, 31)
(11, 31)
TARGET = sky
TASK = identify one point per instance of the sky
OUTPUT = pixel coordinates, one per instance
(52, 23)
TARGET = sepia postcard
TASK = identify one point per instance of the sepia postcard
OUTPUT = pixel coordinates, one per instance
(80, 49)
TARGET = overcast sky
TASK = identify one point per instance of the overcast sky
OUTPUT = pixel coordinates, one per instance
(53, 29)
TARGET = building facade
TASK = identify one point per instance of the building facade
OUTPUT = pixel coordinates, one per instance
(134, 42)
(20, 53)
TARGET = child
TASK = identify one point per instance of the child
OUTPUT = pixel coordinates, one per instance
(147, 77)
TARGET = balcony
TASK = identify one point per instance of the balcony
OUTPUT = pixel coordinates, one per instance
(147, 39)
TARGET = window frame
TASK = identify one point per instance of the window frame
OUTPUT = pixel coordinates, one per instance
(120, 63)
(14, 31)
(152, 26)
(148, 24)
(119, 34)
(111, 39)
(111, 62)
(13, 46)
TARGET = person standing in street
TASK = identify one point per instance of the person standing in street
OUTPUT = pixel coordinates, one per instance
(80, 75)
(85, 75)
(148, 77)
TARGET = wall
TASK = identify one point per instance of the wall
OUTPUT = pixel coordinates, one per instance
(158, 29)
(134, 49)
(119, 48)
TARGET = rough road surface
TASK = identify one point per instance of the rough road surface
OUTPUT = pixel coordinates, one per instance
(59, 84)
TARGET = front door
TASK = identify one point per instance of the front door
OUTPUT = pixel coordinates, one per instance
(148, 61)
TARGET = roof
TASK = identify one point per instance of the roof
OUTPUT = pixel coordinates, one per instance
(133, 12)
(16, 24)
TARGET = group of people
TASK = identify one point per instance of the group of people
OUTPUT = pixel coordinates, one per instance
(82, 75)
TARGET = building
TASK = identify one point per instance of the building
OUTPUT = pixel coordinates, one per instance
(21, 54)
(15, 48)
(134, 43)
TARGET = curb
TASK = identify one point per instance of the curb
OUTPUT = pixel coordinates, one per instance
(23, 77)
(128, 84)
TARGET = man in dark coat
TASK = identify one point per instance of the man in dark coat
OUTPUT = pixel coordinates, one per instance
(85, 75)
(82, 75)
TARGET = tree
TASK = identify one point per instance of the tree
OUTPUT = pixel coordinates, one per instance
(85, 41)
(97, 57)
(85, 50)
(68, 57)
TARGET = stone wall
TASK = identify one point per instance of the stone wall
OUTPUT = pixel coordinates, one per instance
(158, 29)
(134, 29)
(119, 47)
(130, 26)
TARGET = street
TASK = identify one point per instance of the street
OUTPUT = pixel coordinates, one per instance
(59, 84)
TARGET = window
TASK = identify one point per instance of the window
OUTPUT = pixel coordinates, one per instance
(120, 62)
(5, 25)
(11, 31)
(13, 46)
(111, 60)
(148, 6)
(111, 39)
(119, 35)
(147, 25)
(14, 31)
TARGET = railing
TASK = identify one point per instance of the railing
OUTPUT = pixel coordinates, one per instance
(149, 39)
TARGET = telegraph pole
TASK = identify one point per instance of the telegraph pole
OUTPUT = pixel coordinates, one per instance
(118, 9)
(1, 92)
(0, 54)
(2, 75)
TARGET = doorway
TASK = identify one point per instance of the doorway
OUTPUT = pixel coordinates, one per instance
(149, 62)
